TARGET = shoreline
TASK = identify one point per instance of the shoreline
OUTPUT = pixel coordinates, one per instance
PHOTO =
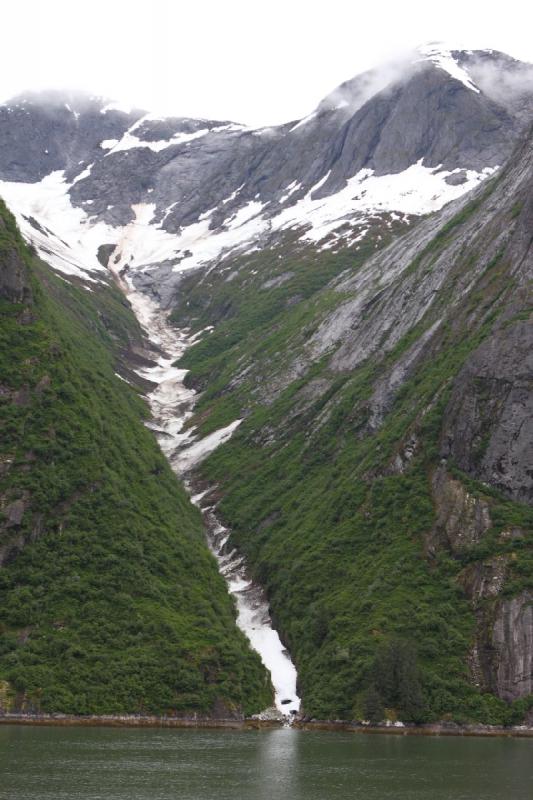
(134, 721)
(426, 729)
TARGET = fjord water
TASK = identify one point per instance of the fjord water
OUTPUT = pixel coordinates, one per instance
(42, 763)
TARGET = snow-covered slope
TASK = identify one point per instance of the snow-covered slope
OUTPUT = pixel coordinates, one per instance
(70, 239)
(90, 181)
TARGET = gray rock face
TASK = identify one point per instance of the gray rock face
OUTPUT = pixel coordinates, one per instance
(484, 581)
(159, 281)
(40, 133)
(503, 79)
(383, 120)
(461, 519)
(14, 285)
(489, 421)
(429, 116)
(14, 512)
(488, 429)
(386, 388)
(513, 642)
(13, 279)
(501, 659)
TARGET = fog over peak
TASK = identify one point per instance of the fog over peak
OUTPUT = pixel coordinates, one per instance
(214, 61)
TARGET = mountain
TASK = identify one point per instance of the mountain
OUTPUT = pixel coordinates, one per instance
(387, 146)
(111, 602)
(355, 288)
(380, 481)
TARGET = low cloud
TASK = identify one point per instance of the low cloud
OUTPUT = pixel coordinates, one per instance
(353, 94)
(500, 77)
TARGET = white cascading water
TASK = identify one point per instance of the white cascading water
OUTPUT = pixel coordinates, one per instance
(171, 403)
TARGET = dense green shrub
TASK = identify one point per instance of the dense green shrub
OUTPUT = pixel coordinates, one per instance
(109, 600)
(333, 529)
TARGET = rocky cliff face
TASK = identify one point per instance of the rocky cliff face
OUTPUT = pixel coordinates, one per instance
(401, 140)
(450, 271)
(489, 421)
(489, 431)
(462, 519)
(14, 279)
(512, 639)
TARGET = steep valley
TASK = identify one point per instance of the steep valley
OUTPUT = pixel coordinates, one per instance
(172, 404)
(326, 325)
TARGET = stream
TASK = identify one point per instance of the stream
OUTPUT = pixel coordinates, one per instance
(172, 403)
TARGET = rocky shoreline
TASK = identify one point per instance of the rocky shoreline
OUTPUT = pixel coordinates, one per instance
(135, 721)
(251, 723)
(411, 729)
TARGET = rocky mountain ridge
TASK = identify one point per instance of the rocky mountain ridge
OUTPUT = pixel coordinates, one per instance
(390, 145)
(408, 372)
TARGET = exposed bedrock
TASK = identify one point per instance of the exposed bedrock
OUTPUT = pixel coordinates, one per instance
(14, 283)
(488, 427)
(512, 640)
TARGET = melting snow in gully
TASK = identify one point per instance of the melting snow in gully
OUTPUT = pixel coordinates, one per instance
(171, 403)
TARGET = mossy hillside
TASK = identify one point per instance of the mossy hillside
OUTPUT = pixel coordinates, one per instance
(337, 534)
(264, 304)
(114, 603)
(260, 326)
(265, 282)
(340, 548)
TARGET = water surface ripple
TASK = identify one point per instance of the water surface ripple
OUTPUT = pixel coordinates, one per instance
(47, 763)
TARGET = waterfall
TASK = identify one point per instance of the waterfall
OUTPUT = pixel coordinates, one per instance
(171, 403)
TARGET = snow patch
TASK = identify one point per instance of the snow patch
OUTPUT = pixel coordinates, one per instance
(193, 455)
(129, 141)
(66, 240)
(233, 195)
(69, 239)
(303, 121)
(290, 189)
(417, 190)
(85, 174)
(124, 108)
(442, 57)
(249, 211)
(253, 619)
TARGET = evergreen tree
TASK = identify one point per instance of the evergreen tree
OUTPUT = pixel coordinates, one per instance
(397, 679)
(373, 706)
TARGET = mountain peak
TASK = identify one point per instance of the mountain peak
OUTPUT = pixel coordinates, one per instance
(404, 138)
(443, 58)
(75, 101)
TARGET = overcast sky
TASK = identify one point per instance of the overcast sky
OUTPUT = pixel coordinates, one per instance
(258, 62)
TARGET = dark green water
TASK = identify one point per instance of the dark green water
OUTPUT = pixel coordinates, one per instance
(125, 764)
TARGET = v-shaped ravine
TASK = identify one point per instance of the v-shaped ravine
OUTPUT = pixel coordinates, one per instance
(171, 404)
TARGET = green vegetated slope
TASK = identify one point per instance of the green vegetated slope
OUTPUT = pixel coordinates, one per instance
(338, 513)
(264, 306)
(109, 598)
